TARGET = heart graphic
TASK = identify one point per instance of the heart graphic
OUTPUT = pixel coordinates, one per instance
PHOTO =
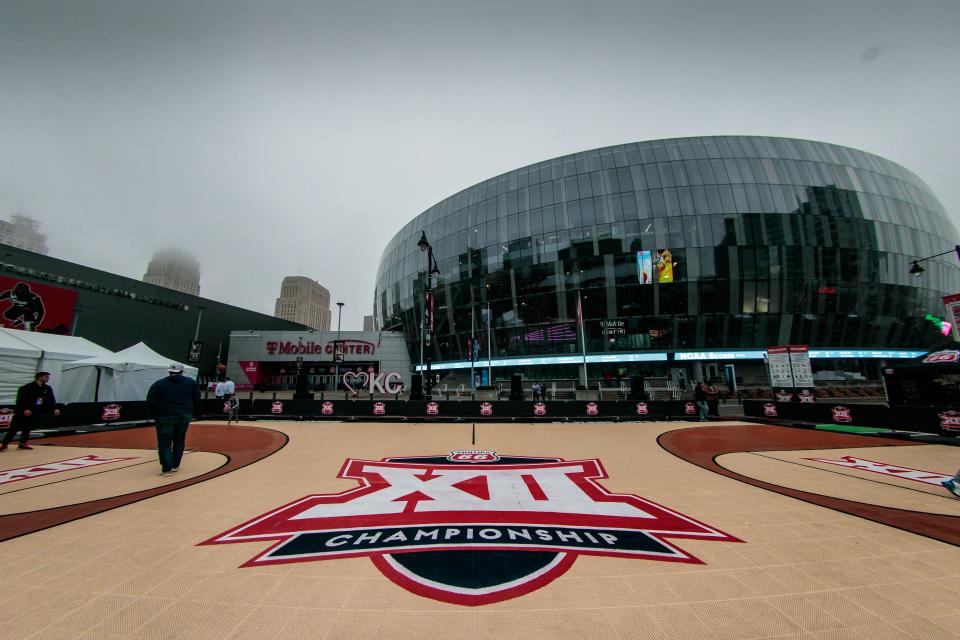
(363, 375)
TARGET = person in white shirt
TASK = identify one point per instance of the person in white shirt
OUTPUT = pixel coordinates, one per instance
(218, 391)
(228, 388)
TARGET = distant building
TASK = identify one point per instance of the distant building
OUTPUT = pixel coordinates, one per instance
(117, 312)
(368, 323)
(23, 232)
(305, 301)
(174, 269)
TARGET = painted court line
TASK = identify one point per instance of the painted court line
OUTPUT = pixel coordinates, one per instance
(38, 470)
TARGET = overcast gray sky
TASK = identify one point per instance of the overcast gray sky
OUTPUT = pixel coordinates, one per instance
(296, 137)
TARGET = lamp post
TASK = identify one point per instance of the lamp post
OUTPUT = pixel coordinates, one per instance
(196, 332)
(916, 269)
(428, 307)
(950, 302)
(336, 345)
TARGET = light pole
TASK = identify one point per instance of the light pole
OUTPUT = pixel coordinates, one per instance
(428, 331)
(196, 332)
(916, 269)
(337, 356)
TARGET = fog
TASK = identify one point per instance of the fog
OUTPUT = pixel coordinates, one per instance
(295, 138)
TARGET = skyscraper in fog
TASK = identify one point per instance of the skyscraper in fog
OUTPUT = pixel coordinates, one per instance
(174, 269)
(305, 301)
(23, 232)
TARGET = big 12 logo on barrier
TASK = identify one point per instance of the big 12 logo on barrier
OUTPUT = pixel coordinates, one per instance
(326, 408)
(539, 409)
(433, 409)
(486, 409)
(689, 408)
(770, 409)
(379, 409)
(469, 532)
(784, 396)
(592, 409)
(111, 412)
(942, 356)
(642, 409)
(806, 396)
(6, 417)
(949, 420)
(276, 407)
(841, 414)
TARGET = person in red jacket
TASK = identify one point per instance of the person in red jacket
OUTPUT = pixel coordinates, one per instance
(36, 405)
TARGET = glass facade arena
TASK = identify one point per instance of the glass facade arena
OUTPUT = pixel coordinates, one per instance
(673, 246)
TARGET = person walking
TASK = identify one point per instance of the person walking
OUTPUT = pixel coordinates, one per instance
(700, 398)
(218, 390)
(36, 404)
(172, 401)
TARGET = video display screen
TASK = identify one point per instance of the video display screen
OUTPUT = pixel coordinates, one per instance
(655, 265)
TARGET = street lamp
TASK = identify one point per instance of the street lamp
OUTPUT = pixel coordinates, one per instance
(336, 346)
(196, 332)
(916, 269)
(428, 308)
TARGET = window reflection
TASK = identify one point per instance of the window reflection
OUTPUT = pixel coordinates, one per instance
(759, 228)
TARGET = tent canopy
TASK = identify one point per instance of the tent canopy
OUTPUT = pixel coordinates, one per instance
(23, 353)
(136, 358)
(931, 379)
(943, 359)
(57, 347)
(115, 377)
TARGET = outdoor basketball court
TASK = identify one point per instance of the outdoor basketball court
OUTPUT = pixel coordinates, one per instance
(446, 530)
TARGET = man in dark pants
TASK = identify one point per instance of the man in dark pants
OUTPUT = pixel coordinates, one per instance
(35, 406)
(172, 401)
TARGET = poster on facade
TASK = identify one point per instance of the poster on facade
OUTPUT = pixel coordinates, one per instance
(663, 261)
(800, 366)
(781, 374)
(644, 267)
(195, 351)
(952, 303)
(31, 306)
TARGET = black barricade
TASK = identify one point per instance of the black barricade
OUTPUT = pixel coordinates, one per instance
(471, 409)
(929, 419)
(78, 414)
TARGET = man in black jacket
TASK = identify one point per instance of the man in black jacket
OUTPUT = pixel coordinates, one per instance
(172, 401)
(35, 406)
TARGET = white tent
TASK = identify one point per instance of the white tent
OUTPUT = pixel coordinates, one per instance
(23, 353)
(122, 376)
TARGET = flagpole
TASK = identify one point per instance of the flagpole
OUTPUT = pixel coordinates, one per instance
(583, 342)
(473, 340)
(489, 352)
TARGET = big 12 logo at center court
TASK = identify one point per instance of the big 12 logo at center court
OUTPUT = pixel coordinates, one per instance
(471, 529)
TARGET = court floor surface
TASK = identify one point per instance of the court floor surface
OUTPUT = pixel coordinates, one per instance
(590, 530)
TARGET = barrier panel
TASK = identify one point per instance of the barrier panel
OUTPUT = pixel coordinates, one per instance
(929, 419)
(471, 409)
